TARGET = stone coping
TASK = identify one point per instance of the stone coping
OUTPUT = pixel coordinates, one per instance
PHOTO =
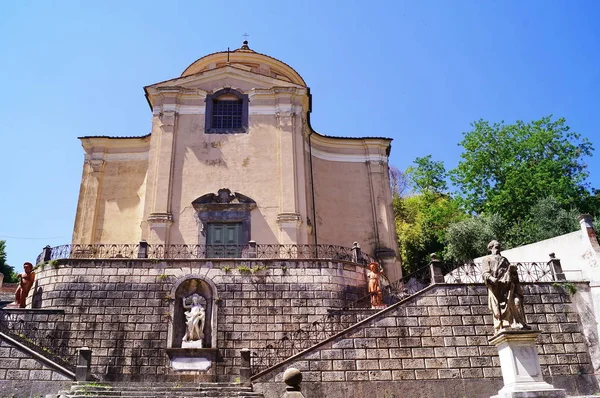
(33, 310)
(289, 262)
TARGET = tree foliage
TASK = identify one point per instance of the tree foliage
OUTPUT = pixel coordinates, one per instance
(519, 183)
(427, 175)
(10, 276)
(506, 169)
(422, 218)
(468, 239)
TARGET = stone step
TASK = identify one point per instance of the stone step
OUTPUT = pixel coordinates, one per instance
(160, 390)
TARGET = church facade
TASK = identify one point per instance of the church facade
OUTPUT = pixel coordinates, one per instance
(232, 158)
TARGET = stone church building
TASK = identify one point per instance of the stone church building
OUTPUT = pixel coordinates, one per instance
(232, 158)
(213, 254)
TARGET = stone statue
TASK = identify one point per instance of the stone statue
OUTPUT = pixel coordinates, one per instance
(195, 317)
(505, 293)
(374, 286)
(26, 280)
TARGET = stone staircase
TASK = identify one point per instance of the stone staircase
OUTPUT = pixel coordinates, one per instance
(162, 390)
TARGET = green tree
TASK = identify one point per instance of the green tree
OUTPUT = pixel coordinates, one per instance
(506, 169)
(468, 239)
(427, 175)
(423, 217)
(10, 276)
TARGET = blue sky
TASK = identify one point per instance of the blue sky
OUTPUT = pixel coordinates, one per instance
(417, 71)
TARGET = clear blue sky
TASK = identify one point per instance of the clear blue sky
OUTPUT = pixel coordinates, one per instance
(416, 71)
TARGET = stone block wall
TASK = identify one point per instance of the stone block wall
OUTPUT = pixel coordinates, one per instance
(22, 375)
(441, 336)
(121, 308)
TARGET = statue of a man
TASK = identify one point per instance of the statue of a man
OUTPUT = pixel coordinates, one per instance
(505, 293)
(195, 317)
(374, 285)
(26, 280)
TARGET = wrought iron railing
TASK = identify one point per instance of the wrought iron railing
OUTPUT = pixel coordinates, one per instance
(528, 272)
(49, 343)
(259, 251)
(335, 321)
(410, 284)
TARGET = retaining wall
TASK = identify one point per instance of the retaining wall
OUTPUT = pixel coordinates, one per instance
(436, 345)
(121, 309)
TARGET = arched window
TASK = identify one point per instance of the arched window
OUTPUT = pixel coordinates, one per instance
(226, 112)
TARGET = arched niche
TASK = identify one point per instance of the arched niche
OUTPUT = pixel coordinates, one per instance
(184, 287)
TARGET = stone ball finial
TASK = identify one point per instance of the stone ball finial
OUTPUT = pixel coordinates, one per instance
(292, 377)
(552, 255)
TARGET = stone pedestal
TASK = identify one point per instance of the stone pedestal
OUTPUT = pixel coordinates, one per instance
(199, 361)
(521, 367)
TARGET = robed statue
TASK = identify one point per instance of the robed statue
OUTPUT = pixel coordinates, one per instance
(374, 285)
(195, 317)
(505, 293)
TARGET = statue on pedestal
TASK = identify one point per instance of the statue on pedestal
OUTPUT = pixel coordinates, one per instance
(505, 293)
(374, 285)
(26, 280)
(195, 317)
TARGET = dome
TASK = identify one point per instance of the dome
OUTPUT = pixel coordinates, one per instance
(246, 59)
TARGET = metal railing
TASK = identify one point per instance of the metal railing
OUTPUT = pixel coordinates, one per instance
(305, 337)
(49, 343)
(251, 250)
(337, 321)
(528, 272)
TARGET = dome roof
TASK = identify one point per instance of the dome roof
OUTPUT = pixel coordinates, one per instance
(247, 59)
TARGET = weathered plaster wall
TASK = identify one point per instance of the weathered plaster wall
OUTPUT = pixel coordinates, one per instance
(343, 204)
(120, 207)
(440, 338)
(121, 309)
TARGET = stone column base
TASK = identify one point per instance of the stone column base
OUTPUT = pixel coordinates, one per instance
(520, 364)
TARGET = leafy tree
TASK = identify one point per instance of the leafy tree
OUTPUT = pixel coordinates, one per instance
(427, 175)
(468, 239)
(506, 169)
(421, 223)
(546, 219)
(422, 218)
(10, 276)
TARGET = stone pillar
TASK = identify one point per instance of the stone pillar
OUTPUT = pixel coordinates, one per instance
(46, 253)
(435, 269)
(245, 368)
(356, 253)
(292, 377)
(556, 268)
(143, 249)
(252, 249)
(84, 363)
(520, 365)
(587, 226)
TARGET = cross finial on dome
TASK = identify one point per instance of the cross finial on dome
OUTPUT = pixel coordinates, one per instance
(245, 43)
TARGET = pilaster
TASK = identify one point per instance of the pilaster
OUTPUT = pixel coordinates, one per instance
(289, 218)
(160, 218)
(89, 200)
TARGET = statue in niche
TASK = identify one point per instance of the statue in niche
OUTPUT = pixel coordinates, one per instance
(26, 280)
(505, 293)
(195, 317)
(374, 285)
